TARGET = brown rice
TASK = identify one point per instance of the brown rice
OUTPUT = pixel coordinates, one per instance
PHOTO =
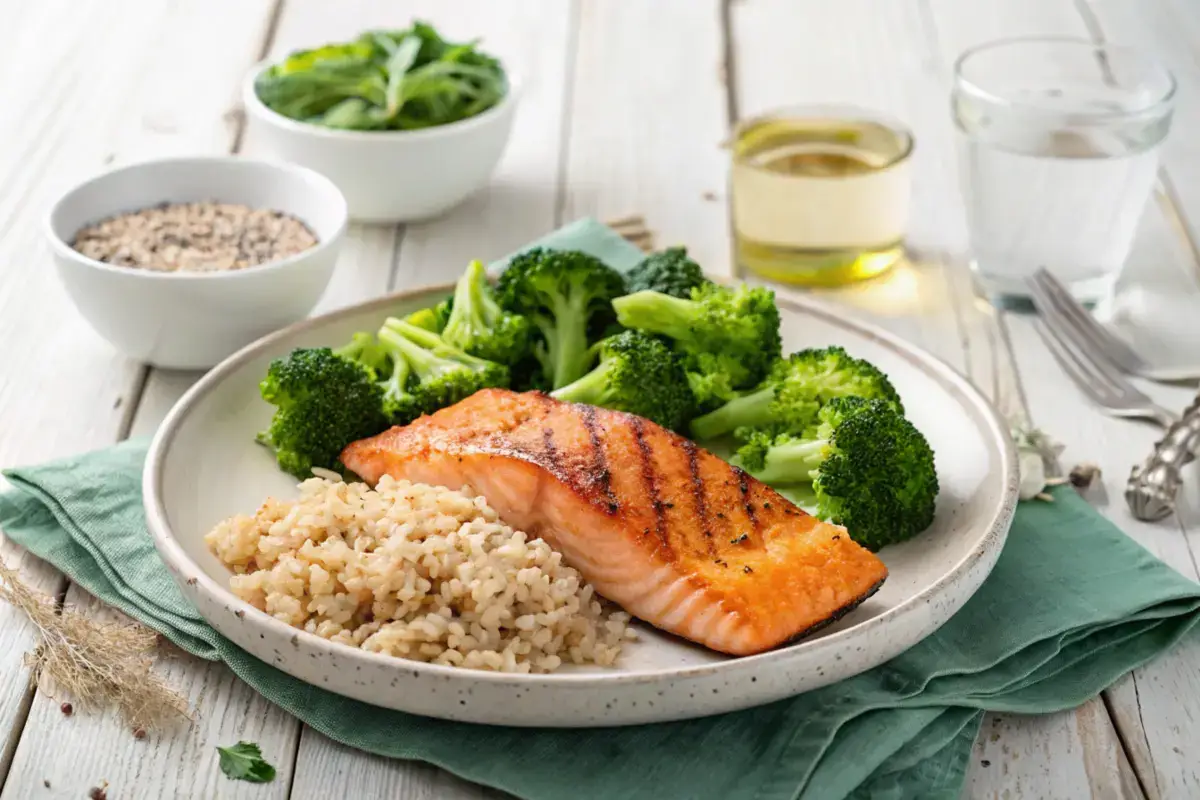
(421, 572)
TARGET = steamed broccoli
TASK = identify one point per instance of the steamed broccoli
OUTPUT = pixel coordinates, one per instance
(794, 391)
(566, 294)
(364, 349)
(477, 324)
(428, 373)
(432, 318)
(727, 338)
(871, 470)
(668, 271)
(323, 403)
(638, 374)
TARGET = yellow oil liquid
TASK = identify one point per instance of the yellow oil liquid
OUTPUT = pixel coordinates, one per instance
(819, 200)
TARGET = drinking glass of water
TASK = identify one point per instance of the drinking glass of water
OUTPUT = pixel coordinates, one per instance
(1058, 142)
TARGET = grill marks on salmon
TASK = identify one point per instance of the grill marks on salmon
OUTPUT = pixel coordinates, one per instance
(669, 531)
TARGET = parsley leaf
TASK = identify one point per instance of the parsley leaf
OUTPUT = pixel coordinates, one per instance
(243, 761)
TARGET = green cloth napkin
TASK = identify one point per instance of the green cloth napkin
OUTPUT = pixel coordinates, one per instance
(1071, 606)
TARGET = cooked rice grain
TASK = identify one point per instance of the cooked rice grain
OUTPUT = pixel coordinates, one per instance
(421, 572)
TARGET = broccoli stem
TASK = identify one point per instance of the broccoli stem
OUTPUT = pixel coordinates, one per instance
(750, 410)
(395, 388)
(657, 313)
(566, 338)
(591, 388)
(470, 308)
(426, 352)
(420, 360)
(794, 461)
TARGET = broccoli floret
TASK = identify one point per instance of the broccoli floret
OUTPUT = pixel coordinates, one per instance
(364, 349)
(639, 374)
(795, 390)
(433, 318)
(323, 402)
(566, 294)
(478, 325)
(727, 337)
(871, 470)
(428, 373)
(668, 271)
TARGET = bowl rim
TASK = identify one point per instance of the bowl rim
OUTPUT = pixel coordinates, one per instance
(62, 249)
(982, 557)
(257, 108)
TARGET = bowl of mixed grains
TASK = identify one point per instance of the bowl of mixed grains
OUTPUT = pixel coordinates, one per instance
(180, 262)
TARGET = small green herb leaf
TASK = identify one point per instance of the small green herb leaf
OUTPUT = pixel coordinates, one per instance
(244, 762)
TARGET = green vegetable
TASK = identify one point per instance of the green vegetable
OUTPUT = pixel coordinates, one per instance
(872, 471)
(364, 349)
(478, 325)
(668, 271)
(567, 296)
(638, 374)
(432, 318)
(244, 762)
(323, 403)
(794, 391)
(428, 373)
(384, 80)
(727, 338)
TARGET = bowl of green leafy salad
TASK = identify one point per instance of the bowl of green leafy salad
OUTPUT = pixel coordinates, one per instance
(406, 123)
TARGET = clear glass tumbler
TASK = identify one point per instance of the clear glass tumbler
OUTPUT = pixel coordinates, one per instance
(1058, 143)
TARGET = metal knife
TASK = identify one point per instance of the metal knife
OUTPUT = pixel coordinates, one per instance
(1154, 484)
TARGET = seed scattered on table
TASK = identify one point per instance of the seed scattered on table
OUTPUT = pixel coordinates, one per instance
(195, 237)
(67, 709)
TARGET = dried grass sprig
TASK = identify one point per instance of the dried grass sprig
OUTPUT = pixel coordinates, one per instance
(100, 664)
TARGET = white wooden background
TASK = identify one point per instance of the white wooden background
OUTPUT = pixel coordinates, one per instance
(623, 109)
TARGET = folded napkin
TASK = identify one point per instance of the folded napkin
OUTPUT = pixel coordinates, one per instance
(1071, 606)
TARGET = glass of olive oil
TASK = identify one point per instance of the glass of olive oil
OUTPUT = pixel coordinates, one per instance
(820, 194)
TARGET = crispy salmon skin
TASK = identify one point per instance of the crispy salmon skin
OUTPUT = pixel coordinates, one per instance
(672, 533)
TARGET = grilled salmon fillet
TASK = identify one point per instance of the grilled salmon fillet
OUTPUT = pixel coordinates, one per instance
(675, 535)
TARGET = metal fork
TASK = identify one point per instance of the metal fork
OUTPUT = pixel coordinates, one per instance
(1097, 378)
(1054, 302)
(1052, 298)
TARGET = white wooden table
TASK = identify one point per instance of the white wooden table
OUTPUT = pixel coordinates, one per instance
(623, 110)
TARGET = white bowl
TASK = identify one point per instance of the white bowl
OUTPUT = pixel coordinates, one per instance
(392, 176)
(193, 320)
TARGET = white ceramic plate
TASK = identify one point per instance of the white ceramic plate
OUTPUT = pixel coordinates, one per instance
(204, 466)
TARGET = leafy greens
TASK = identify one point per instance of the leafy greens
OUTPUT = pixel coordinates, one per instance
(244, 762)
(384, 80)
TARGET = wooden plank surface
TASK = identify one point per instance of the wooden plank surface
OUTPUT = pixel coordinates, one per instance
(1161, 265)
(784, 54)
(129, 80)
(595, 135)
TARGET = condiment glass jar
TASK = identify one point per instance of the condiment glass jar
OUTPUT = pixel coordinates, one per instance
(820, 194)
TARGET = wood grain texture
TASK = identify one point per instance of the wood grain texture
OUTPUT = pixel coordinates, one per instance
(598, 135)
(518, 205)
(1169, 31)
(646, 123)
(898, 62)
(178, 762)
(1155, 709)
(136, 79)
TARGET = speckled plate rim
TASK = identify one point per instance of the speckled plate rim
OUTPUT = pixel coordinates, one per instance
(982, 557)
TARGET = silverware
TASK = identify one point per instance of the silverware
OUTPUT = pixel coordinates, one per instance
(1098, 379)
(1154, 484)
(1074, 323)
